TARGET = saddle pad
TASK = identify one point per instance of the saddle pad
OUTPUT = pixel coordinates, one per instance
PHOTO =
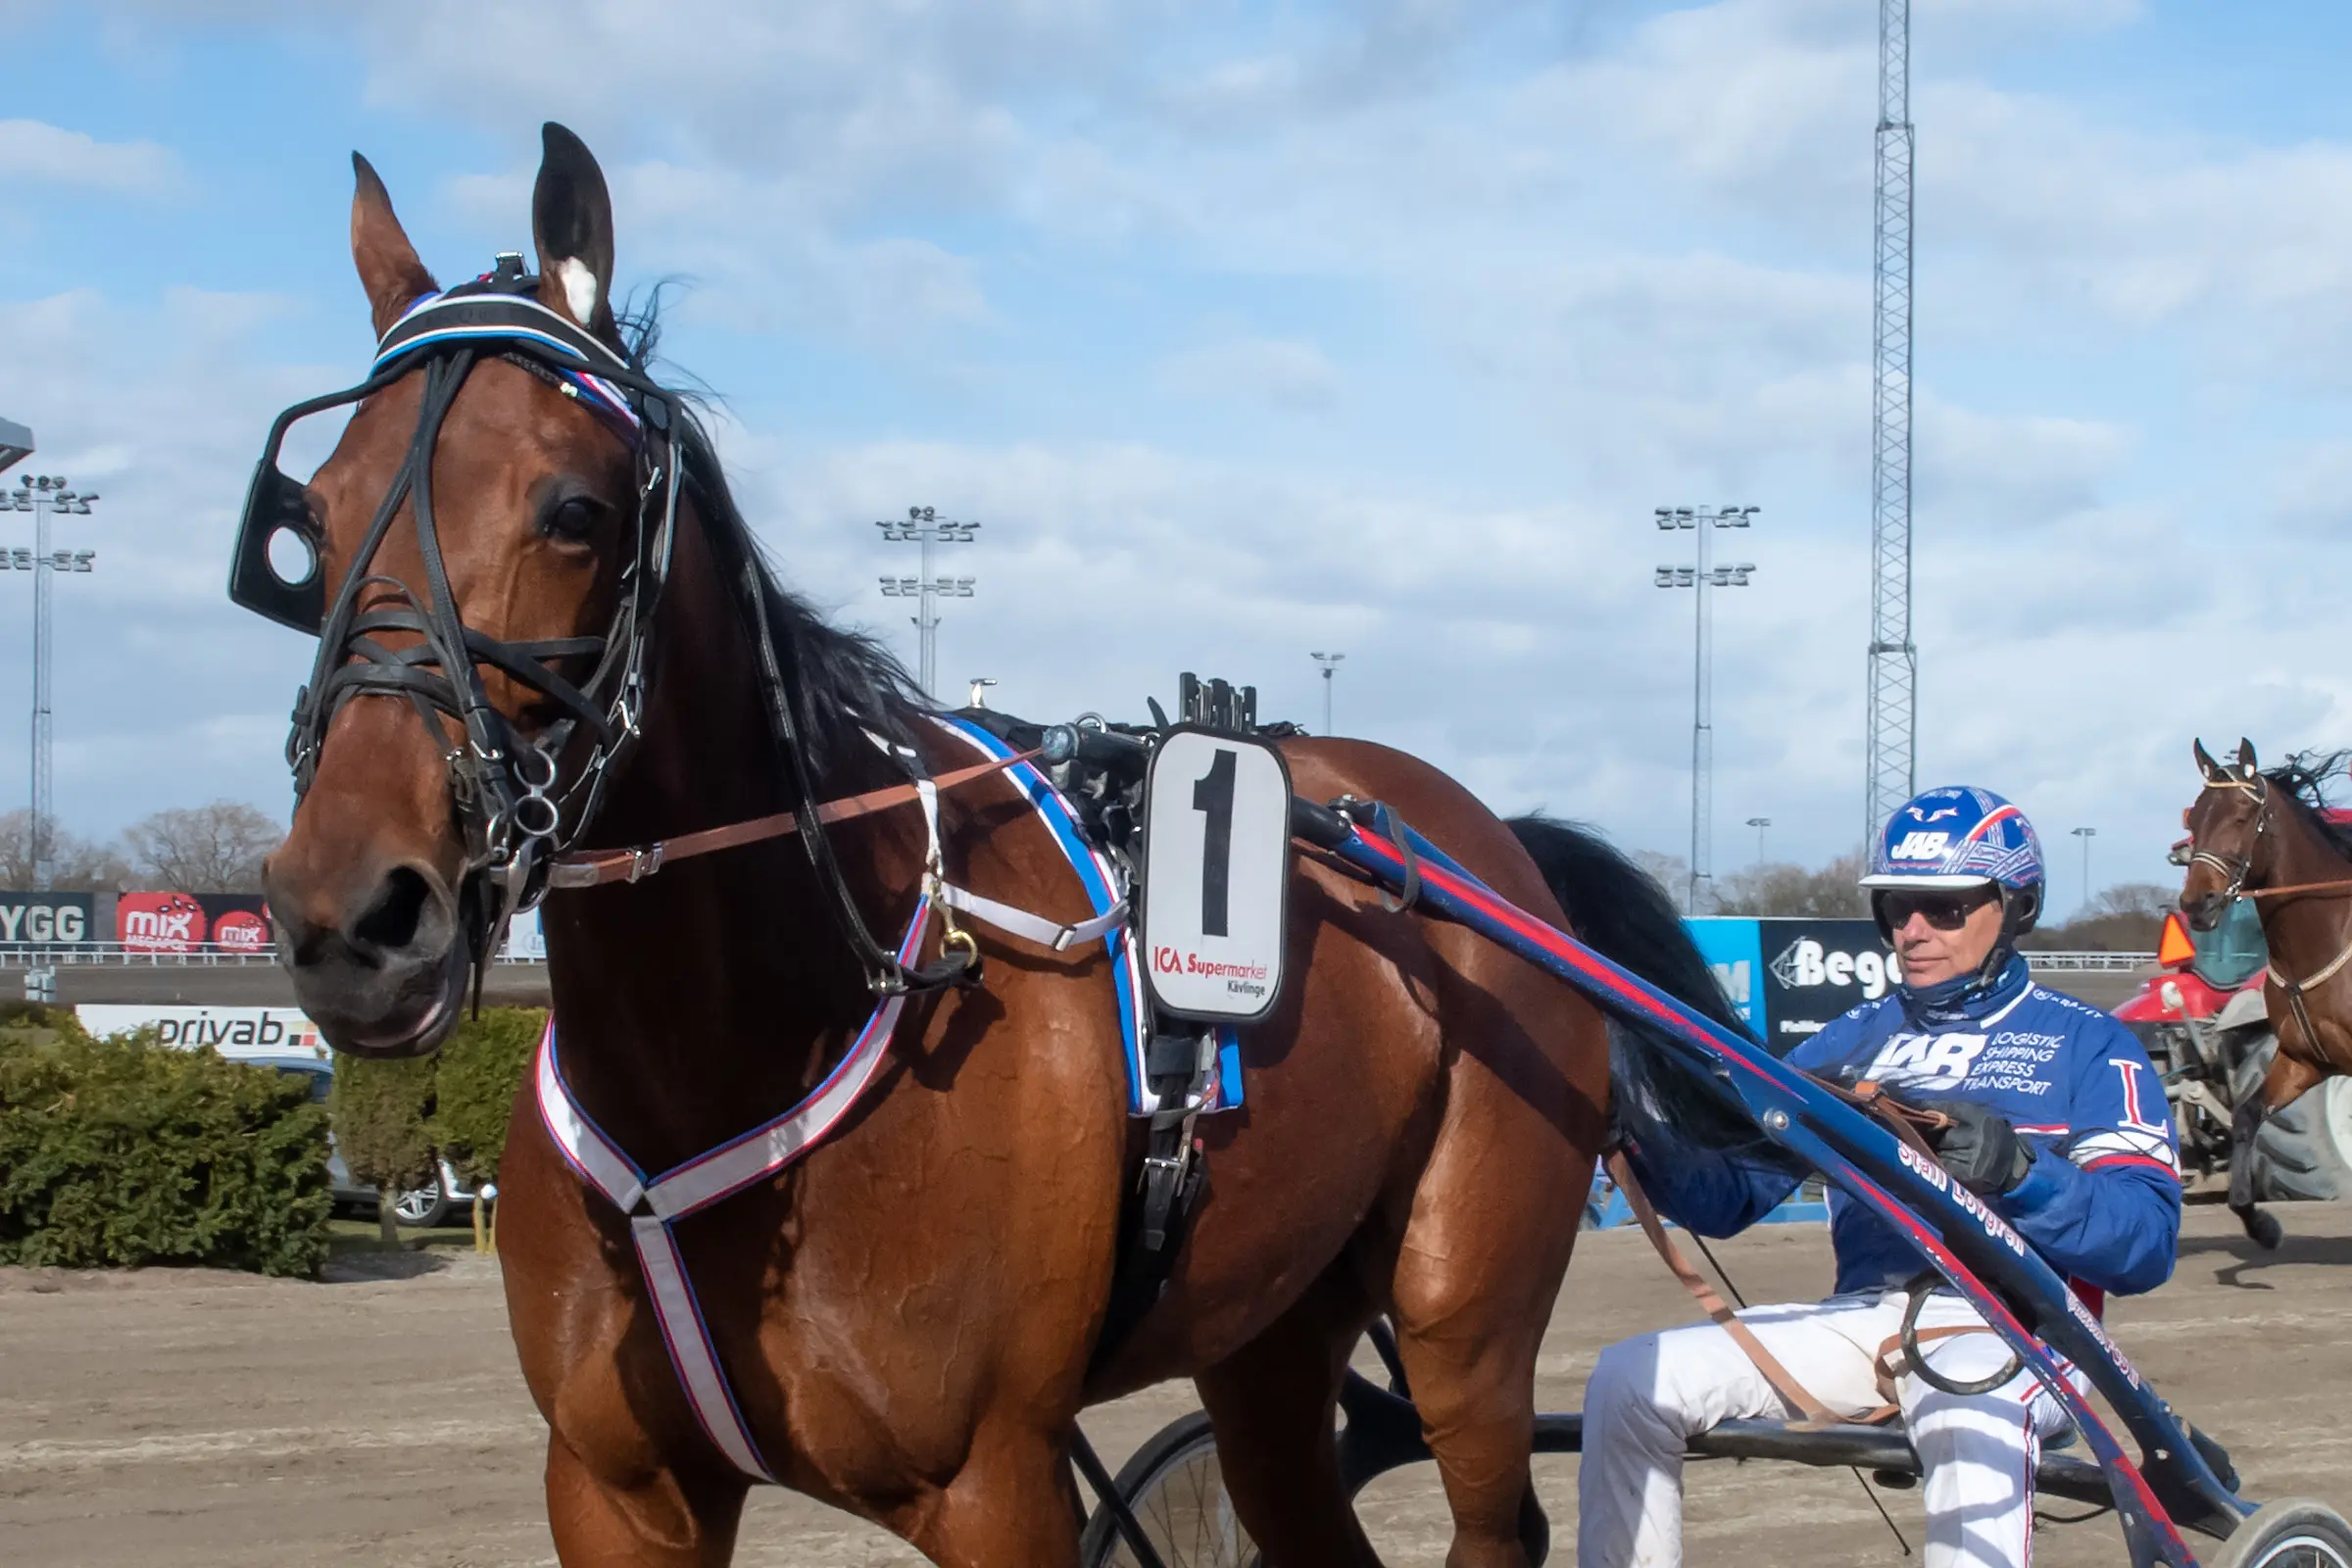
(1100, 879)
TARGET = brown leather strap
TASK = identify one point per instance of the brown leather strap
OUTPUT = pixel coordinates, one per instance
(1906, 1121)
(2338, 885)
(1783, 1381)
(591, 867)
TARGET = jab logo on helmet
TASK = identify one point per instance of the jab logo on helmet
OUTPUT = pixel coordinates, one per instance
(1921, 846)
(1937, 1061)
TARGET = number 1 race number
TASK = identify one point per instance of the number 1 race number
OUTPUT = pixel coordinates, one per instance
(1216, 875)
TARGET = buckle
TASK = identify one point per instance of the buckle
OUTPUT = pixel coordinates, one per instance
(646, 862)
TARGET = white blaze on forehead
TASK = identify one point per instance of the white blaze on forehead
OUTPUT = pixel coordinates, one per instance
(579, 288)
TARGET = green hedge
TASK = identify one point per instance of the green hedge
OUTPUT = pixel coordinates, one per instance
(482, 1068)
(121, 1152)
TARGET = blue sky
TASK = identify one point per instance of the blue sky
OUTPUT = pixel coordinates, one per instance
(1251, 329)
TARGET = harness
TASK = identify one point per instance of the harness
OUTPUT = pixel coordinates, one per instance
(653, 1204)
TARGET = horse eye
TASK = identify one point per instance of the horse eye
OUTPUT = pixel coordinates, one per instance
(572, 519)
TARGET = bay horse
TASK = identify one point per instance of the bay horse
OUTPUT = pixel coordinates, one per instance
(2262, 835)
(909, 1318)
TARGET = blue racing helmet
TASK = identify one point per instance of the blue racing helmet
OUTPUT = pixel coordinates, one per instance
(1961, 837)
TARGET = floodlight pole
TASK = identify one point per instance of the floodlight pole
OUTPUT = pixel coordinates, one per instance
(1330, 663)
(2087, 834)
(1759, 824)
(924, 527)
(1703, 574)
(42, 495)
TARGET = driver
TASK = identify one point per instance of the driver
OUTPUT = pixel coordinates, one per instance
(2059, 1122)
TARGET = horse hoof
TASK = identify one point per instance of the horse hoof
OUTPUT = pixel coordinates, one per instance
(2264, 1228)
(1535, 1530)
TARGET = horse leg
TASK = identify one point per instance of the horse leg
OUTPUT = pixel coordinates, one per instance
(665, 1520)
(1274, 1405)
(2264, 1228)
(1012, 1504)
(1474, 1286)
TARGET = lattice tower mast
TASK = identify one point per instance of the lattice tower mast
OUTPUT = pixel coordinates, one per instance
(1891, 763)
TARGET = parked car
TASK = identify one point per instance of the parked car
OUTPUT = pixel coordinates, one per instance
(447, 1197)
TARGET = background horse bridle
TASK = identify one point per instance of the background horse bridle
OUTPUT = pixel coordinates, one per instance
(516, 807)
(2234, 873)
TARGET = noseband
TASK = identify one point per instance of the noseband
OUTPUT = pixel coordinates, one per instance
(522, 801)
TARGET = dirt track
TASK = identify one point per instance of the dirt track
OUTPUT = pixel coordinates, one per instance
(199, 1419)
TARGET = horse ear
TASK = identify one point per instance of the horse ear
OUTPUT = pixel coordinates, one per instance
(389, 269)
(2245, 756)
(571, 222)
(2206, 765)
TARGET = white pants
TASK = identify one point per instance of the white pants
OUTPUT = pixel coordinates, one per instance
(1649, 1393)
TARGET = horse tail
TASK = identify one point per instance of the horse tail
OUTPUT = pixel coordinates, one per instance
(1620, 911)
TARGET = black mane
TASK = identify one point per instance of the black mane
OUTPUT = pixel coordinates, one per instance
(2301, 779)
(847, 681)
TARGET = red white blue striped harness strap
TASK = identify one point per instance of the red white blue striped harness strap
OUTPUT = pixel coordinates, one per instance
(655, 1204)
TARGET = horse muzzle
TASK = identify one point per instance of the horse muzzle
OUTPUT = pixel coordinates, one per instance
(380, 966)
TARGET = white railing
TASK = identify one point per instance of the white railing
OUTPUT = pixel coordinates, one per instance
(201, 954)
(2079, 962)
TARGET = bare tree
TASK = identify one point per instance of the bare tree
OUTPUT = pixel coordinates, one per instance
(205, 849)
(75, 863)
(1825, 893)
(2125, 919)
(1669, 871)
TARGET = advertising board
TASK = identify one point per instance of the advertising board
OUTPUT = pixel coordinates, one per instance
(52, 919)
(180, 922)
(234, 1031)
(1788, 976)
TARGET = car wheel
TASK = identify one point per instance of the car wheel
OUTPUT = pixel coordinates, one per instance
(2304, 1152)
(422, 1207)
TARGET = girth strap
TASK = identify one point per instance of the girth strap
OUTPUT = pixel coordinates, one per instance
(1783, 1381)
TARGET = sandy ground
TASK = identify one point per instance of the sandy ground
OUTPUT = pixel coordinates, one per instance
(197, 1420)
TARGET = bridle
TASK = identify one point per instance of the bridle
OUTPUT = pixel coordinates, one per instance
(2234, 875)
(517, 807)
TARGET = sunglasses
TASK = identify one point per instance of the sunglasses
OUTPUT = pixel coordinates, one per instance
(1944, 911)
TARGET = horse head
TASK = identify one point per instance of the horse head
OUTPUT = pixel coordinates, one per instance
(481, 541)
(2226, 825)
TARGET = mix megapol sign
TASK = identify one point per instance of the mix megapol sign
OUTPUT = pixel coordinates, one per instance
(1790, 976)
(181, 922)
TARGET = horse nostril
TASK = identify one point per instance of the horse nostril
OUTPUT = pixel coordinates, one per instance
(390, 923)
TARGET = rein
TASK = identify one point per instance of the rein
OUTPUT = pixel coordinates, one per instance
(2339, 885)
(590, 868)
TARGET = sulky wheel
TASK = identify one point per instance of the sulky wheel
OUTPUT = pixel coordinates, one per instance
(2291, 1533)
(1177, 1491)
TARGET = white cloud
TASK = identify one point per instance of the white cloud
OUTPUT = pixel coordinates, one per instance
(1275, 372)
(1573, 266)
(31, 150)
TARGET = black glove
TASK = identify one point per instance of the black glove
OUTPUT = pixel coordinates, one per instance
(1981, 1150)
